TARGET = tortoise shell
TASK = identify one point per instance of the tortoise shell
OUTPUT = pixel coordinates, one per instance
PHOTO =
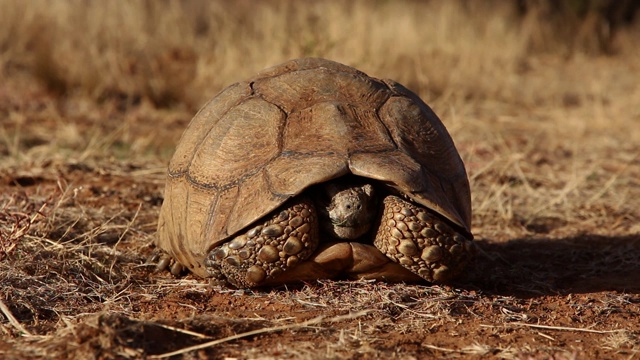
(261, 142)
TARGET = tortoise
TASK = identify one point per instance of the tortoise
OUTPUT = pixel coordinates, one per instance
(315, 170)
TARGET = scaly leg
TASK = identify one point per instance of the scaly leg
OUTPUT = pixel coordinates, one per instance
(421, 242)
(265, 251)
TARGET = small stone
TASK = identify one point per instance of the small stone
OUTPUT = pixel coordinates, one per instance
(268, 254)
(432, 253)
(238, 243)
(391, 223)
(394, 242)
(408, 248)
(273, 230)
(296, 221)
(292, 246)
(244, 254)
(305, 213)
(456, 250)
(256, 274)
(406, 211)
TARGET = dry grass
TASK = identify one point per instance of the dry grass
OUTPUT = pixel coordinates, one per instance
(186, 51)
(94, 96)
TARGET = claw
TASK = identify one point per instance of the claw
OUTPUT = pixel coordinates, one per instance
(176, 268)
(163, 262)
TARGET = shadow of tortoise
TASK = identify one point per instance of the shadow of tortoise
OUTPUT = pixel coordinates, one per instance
(538, 267)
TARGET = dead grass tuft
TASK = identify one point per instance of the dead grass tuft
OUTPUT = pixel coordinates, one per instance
(184, 52)
(623, 341)
(18, 214)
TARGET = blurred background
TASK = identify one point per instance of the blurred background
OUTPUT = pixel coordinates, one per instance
(180, 53)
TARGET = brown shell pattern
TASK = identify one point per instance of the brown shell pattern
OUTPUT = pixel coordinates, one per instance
(307, 121)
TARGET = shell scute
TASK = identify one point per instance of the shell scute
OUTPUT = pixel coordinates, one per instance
(203, 122)
(245, 139)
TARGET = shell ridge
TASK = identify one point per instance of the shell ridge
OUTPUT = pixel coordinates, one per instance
(208, 225)
(201, 113)
(216, 145)
(384, 126)
(227, 110)
(267, 180)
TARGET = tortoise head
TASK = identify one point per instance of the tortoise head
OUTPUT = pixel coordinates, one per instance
(346, 210)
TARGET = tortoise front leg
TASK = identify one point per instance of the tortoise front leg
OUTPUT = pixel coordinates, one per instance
(351, 260)
(287, 237)
(421, 242)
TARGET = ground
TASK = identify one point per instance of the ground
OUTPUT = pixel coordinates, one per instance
(551, 142)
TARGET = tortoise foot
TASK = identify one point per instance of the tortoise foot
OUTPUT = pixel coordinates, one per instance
(163, 261)
(289, 236)
(420, 241)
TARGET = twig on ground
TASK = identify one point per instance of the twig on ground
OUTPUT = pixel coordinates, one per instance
(560, 328)
(183, 331)
(476, 349)
(12, 320)
(308, 323)
(433, 347)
